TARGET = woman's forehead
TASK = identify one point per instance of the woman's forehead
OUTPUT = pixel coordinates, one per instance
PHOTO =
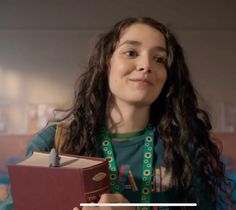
(141, 32)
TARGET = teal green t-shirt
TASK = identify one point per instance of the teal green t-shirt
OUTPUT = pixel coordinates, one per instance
(128, 150)
(129, 158)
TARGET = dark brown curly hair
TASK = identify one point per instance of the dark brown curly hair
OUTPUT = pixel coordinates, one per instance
(182, 126)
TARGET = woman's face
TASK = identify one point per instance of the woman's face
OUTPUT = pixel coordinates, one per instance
(137, 71)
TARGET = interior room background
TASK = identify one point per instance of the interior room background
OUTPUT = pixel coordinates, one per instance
(44, 46)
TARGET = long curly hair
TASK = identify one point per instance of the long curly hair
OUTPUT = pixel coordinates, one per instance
(182, 126)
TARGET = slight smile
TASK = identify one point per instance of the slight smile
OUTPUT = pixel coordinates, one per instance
(141, 81)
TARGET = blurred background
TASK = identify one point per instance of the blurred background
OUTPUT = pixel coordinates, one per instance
(44, 46)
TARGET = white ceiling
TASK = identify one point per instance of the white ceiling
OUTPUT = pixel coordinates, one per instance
(101, 14)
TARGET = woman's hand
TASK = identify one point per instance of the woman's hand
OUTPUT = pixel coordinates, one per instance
(113, 198)
(110, 198)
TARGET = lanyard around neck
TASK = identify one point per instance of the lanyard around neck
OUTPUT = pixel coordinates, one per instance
(146, 165)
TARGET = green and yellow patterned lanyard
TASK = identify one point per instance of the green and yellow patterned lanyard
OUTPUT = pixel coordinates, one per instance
(146, 168)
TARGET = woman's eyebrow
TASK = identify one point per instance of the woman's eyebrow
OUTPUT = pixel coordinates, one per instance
(130, 42)
(161, 49)
(138, 43)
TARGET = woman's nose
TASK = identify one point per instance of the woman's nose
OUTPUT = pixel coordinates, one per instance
(144, 64)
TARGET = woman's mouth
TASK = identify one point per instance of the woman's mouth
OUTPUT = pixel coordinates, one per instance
(141, 81)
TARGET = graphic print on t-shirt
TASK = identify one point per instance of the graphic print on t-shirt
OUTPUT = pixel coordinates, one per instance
(160, 180)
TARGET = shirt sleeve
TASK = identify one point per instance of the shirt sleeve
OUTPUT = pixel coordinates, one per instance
(204, 200)
(200, 189)
(43, 141)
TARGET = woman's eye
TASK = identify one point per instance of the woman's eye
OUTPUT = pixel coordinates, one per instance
(131, 53)
(160, 60)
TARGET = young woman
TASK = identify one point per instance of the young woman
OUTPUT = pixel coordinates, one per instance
(137, 101)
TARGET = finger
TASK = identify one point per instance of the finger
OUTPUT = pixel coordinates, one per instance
(90, 208)
(113, 198)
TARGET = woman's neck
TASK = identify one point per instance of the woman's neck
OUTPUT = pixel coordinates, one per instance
(125, 118)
